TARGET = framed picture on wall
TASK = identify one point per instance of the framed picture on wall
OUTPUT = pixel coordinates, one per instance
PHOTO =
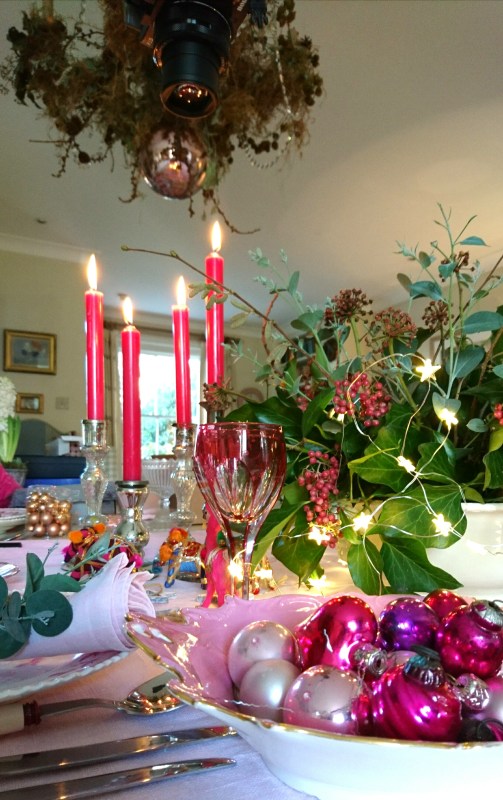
(29, 403)
(27, 351)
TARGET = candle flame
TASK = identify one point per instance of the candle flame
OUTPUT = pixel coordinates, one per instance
(92, 273)
(216, 237)
(181, 294)
(127, 310)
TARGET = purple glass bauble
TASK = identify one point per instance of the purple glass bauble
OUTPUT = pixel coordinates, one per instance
(259, 641)
(407, 622)
(415, 703)
(470, 639)
(442, 602)
(174, 165)
(333, 633)
(328, 699)
(264, 686)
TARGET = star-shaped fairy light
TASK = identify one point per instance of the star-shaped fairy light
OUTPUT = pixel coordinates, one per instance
(448, 417)
(362, 521)
(427, 370)
(406, 463)
(442, 525)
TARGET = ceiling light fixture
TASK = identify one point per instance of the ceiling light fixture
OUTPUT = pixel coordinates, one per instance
(223, 81)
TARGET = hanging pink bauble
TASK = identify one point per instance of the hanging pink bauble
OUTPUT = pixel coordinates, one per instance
(174, 165)
(470, 639)
(328, 699)
(264, 686)
(405, 623)
(333, 633)
(258, 641)
(414, 701)
(442, 602)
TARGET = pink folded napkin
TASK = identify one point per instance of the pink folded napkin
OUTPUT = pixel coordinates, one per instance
(99, 611)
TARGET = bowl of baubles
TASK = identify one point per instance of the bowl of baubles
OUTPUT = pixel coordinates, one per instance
(349, 697)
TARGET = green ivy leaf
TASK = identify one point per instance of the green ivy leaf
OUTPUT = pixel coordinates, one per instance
(466, 361)
(493, 463)
(407, 568)
(51, 612)
(365, 567)
(4, 593)
(426, 289)
(299, 554)
(314, 413)
(8, 645)
(409, 516)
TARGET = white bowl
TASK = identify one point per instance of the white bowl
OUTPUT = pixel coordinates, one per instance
(328, 766)
(11, 518)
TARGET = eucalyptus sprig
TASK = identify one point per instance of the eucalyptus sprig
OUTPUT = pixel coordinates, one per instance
(42, 607)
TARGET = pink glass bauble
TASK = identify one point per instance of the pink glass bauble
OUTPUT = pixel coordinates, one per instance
(415, 702)
(264, 686)
(328, 699)
(174, 165)
(407, 622)
(470, 639)
(334, 632)
(259, 641)
(442, 602)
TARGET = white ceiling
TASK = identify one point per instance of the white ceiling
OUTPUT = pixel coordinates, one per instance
(412, 116)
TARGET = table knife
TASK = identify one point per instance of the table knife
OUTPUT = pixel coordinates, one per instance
(96, 753)
(98, 785)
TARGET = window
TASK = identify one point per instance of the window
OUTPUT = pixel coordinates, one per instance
(158, 400)
(158, 390)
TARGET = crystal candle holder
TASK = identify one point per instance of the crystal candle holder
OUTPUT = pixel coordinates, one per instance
(131, 496)
(93, 480)
(182, 478)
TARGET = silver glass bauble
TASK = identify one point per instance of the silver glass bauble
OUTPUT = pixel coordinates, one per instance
(173, 164)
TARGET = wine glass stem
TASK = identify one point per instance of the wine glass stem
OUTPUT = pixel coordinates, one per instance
(249, 542)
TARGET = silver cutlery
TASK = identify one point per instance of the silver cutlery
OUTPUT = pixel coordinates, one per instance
(151, 697)
(98, 785)
(27, 763)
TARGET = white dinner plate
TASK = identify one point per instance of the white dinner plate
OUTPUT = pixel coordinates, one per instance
(20, 678)
(10, 518)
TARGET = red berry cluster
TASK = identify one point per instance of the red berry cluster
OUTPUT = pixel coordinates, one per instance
(498, 412)
(361, 399)
(320, 480)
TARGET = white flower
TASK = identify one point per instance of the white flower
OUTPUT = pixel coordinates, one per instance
(7, 401)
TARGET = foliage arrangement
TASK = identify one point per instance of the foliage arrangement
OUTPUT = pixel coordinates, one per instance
(389, 426)
(10, 424)
(104, 82)
(42, 607)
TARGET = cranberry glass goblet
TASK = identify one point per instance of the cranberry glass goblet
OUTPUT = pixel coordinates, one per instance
(240, 469)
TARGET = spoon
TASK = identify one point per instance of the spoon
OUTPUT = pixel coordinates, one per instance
(150, 697)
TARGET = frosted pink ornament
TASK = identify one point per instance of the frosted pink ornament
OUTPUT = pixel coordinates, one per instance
(407, 622)
(442, 602)
(259, 641)
(328, 699)
(335, 631)
(470, 639)
(414, 701)
(264, 686)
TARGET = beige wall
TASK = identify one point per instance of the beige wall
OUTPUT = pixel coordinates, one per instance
(46, 295)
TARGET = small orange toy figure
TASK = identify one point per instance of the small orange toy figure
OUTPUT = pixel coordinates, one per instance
(216, 563)
(171, 551)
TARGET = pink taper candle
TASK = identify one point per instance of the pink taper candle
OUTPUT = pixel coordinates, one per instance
(181, 341)
(215, 315)
(131, 408)
(95, 359)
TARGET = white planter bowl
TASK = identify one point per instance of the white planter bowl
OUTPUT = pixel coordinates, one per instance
(476, 560)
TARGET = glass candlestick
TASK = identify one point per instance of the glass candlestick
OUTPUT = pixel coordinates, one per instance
(182, 477)
(131, 496)
(93, 480)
